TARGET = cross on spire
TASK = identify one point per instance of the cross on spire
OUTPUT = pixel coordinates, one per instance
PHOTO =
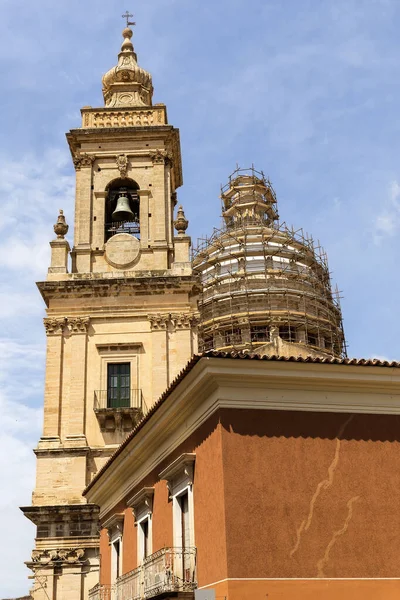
(127, 16)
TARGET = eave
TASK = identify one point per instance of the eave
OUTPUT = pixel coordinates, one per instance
(218, 381)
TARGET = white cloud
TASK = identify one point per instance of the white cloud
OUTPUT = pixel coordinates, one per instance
(387, 222)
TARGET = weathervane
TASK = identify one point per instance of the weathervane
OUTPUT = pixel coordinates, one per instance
(127, 16)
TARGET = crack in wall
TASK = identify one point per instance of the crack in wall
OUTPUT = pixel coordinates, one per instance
(323, 485)
(324, 560)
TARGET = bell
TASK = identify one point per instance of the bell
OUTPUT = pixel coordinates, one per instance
(123, 211)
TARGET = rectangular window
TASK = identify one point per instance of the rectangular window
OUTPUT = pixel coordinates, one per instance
(116, 559)
(118, 385)
(185, 537)
(144, 539)
(185, 525)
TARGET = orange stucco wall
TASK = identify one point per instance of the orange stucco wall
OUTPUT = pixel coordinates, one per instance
(209, 506)
(129, 548)
(279, 495)
(162, 517)
(105, 558)
(321, 589)
(311, 494)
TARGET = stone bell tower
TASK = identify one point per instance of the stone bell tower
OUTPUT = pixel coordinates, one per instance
(121, 315)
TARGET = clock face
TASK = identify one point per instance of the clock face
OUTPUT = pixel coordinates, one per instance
(122, 250)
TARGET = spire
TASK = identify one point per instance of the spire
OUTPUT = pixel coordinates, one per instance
(127, 84)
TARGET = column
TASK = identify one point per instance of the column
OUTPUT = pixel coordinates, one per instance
(78, 328)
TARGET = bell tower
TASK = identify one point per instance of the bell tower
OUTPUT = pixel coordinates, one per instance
(121, 314)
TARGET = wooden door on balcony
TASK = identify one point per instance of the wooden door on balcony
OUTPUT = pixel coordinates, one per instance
(118, 385)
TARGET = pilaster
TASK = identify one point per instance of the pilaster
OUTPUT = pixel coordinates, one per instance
(83, 213)
(52, 392)
(145, 232)
(181, 342)
(78, 328)
(160, 352)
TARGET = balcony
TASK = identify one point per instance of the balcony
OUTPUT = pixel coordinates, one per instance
(166, 573)
(101, 592)
(119, 409)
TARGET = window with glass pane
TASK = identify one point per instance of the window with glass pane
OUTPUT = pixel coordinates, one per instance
(119, 385)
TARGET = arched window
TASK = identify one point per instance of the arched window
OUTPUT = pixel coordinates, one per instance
(122, 208)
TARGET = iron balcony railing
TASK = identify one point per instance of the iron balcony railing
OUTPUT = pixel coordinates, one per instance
(119, 398)
(131, 227)
(166, 571)
(169, 570)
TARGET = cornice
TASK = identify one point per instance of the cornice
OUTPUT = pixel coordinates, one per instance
(36, 514)
(90, 285)
(217, 383)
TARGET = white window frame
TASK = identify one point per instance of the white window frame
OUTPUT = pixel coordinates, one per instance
(179, 476)
(142, 506)
(115, 527)
(120, 353)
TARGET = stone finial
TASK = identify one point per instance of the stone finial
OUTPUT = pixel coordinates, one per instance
(181, 223)
(127, 84)
(61, 227)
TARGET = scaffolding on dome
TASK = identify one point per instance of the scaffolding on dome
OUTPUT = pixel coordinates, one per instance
(261, 278)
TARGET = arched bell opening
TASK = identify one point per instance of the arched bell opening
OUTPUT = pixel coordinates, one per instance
(122, 209)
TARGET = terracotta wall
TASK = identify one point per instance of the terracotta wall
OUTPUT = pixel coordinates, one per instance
(105, 558)
(311, 494)
(208, 506)
(129, 545)
(323, 589)
(162, 517)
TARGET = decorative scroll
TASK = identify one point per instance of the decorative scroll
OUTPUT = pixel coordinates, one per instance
(84, 160)
(54, 325)
(159, 322)
(160, 157)
(78, 325)
(66, 555)
(181, 321)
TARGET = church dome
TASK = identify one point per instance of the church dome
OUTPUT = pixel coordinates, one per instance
(127, 84)
(265, 287)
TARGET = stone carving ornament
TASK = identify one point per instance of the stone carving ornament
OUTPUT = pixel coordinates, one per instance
(83, 160)
(54, 325)
(61, 227)
(78, 324)
(181, 321)
(159, 322)
(67, 555)
(122, 164)
(159, 157)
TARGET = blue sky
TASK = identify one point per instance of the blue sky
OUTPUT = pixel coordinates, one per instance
(307, 90)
